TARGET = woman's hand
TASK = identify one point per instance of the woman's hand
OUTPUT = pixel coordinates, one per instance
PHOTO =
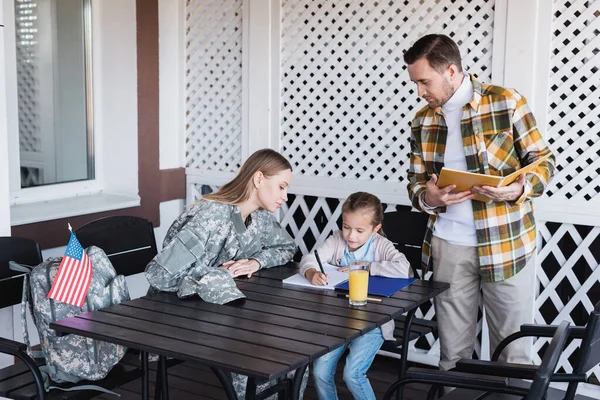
(316, 278)
(241, 267)
(343, 269)
(225, 266)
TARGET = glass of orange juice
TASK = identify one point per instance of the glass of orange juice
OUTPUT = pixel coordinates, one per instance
(358, 283)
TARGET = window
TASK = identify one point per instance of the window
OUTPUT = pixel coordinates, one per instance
(53, 54)
(54, 50)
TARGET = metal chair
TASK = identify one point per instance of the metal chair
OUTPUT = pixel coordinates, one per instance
(406, 229)
(128, 242)
(588, 357)
(497, 384)
(26, 252)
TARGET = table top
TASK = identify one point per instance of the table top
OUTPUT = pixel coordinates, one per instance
(278, 328)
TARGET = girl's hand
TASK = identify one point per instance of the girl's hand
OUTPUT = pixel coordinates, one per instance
(317, 278)
(242, 267)
(343, 269)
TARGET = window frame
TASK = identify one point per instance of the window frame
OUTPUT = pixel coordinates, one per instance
(111, 188)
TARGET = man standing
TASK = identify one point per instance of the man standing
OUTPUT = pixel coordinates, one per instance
(470, 126)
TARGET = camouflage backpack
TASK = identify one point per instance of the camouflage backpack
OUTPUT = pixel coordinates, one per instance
(72, 358)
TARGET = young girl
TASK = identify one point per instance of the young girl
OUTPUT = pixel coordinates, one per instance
(359, 240)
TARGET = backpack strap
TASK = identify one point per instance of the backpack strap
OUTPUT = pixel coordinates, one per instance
(46, 370)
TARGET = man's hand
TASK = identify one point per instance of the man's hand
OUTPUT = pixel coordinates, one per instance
(436, 197)
(511, 192)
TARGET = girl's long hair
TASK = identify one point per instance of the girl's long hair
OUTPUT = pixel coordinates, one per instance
(363, 201)
(238, 190)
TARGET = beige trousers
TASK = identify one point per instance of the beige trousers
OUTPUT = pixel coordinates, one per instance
(508, 304)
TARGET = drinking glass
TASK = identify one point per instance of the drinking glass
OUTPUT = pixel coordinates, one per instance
(358, 283)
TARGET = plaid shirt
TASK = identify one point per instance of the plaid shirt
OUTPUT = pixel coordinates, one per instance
(499, 135)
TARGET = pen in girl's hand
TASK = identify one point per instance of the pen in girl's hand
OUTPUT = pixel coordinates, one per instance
(319, 262)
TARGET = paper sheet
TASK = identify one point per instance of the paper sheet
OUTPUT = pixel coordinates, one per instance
(335, 277)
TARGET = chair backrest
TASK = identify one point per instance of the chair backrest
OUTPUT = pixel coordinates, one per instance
(21, 250)
(543, 376)
(589, 350)
(128, 242)
(406, 229)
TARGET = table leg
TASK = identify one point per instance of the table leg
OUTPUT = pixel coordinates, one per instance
(164, 380)
(226, 383)
(250, 389)
(404, 352)
(158, 383)
(282, 394)
(297, 383)
(145, 376)
(161, 388)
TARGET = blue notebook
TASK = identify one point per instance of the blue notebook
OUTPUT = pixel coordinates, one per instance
(380, 286)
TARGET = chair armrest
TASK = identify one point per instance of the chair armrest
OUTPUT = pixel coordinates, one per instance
(453, 378)
(508, 370)
(575, 332)
(12, 347)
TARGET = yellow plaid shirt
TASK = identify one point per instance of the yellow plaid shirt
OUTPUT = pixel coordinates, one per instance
(499, 135)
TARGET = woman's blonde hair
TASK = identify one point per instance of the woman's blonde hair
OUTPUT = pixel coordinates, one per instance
(363, 201)
(238, 190)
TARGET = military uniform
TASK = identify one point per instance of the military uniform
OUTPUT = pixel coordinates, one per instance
(205, 237)
(202, 239)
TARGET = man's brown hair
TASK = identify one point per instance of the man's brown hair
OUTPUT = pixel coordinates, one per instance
(439, 50)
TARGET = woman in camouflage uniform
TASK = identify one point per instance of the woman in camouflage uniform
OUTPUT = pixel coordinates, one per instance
(228, 234)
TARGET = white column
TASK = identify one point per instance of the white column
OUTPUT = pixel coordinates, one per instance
(6, 326)
(527, 52)
(526, 60)
(171, 37)
(260, 63)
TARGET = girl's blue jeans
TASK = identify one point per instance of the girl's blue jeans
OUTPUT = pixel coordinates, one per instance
(362, 353)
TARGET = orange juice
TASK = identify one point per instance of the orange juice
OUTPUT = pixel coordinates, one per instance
(359, 285)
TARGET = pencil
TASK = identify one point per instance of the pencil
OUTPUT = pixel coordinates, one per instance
(368, 298)
(319, 262)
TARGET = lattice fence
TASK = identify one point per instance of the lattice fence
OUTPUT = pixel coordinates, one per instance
(28, 85)
(213, 84)
(573, 114)
(347, 100)
(569, 281)
(569, 255)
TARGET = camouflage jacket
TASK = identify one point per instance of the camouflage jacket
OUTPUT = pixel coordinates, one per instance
(206, 236)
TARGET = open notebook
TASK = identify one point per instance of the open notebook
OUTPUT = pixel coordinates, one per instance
(466, 180)
(335, 277)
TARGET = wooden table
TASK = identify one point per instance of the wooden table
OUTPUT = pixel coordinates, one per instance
(277, 329)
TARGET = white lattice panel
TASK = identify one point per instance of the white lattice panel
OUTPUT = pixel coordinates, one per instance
(569, 277)
(347, 101)
(26, 28)
(213, 83)
(573, 113)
